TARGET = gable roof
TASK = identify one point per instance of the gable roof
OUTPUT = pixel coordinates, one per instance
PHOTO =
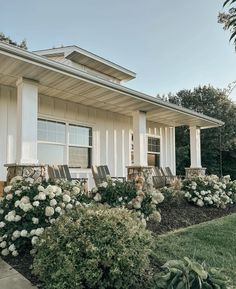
(90, 60)
(65, 82)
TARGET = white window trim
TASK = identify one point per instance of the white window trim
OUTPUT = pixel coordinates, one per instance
(66, 145)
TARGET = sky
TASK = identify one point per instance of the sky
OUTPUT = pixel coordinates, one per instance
(171, 45)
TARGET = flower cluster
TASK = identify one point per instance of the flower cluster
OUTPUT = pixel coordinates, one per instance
(130, 195)
(26, 209)
(210, 191)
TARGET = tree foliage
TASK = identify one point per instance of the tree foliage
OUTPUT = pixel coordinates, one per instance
(228, 19)
(218, 145)
(8, 40)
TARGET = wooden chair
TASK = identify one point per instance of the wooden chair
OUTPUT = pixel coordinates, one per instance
(170, 177)
(159, 180)
(102, 174)
(62, 172)
(2, 185)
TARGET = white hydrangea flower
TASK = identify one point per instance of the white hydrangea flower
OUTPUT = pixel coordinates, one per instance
(66, 198)
(17, 218)
(18, 192)
(35, 220)
(97, 197)
(1, 211)
(49, 211)
(3, 244)
(53, 203)
(5, 252)
(58, 191)
(9, 196)
(39, 231)
(76, 190)
(23, 233)
(36, 203)
(69, 206)
(40, 188)
(34, 240)
(58, 210)
(15, 253)
(52, 221)
(25, 200)
(52, 196)
(200, 203)
(42, 196)
(32, 232)
(16, 234)
(2, 224)
(7, 189)
(17, 203)
(12, 248)
(103, 184)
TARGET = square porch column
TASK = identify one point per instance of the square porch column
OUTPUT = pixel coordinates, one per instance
(195, 153)
(27, 115)
(140, 138)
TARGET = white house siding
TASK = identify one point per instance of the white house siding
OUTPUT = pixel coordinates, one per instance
(111, 132)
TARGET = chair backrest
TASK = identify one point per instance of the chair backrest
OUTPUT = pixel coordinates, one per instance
(157, 172)
(100, 174)
(169, 172)
(59, 172)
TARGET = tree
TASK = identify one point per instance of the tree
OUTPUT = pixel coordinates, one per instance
(218, 144)
(8, 40)
(228, 19)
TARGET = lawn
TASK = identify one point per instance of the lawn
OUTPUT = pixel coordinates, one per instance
(213, 242)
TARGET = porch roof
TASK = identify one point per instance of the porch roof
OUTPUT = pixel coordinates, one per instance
(58, 80)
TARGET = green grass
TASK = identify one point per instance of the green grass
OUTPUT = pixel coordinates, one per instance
(213, 242)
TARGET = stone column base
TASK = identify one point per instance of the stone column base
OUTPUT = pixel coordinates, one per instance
(34, 172)
(140, 171)
(194, 172)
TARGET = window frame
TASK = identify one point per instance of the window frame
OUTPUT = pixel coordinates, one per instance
(67, 144)
(148, 152)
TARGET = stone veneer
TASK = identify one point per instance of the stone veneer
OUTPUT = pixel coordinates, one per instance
(35, 173)
(194, 172)
(141, 171)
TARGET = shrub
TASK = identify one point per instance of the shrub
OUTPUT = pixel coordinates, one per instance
(26, 209)
(172, 195)
(93, 248)
(130, 195)
(210, 191)
(187, 274)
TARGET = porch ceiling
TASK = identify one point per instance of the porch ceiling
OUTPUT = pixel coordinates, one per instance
(60, 81)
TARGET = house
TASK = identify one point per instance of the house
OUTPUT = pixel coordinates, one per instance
(68, 106)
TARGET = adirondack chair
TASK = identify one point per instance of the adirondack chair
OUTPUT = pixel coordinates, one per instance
(159, 180)
(102, 174)
(62, 172)
(170, 177)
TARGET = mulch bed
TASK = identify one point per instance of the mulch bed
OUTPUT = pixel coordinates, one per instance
(174, 216)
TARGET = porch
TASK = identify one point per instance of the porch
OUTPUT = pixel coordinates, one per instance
(50, 111)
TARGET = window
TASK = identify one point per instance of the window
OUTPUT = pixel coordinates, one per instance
(153, 155)
(64, 143)
(153, 151)
(80, 146)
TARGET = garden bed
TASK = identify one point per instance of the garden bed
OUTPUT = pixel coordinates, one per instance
(174, 216)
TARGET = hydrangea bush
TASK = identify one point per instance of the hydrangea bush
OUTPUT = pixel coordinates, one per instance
(26, 209)
(130, 195)
(96, 248)
(210, 191)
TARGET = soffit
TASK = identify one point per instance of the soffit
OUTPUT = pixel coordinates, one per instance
(69, 87)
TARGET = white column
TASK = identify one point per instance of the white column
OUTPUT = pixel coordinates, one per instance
(140, 138)
(27, 113)
(195, 146)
